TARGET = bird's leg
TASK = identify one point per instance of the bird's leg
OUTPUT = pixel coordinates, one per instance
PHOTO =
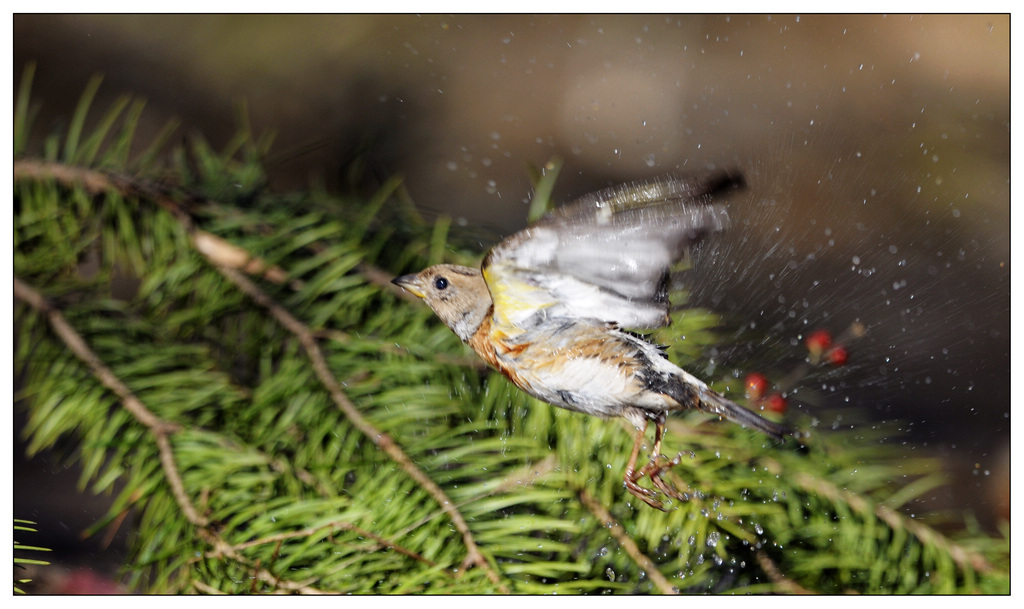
(632, 475)
(653, 469)
(660, 463)
(659, 432)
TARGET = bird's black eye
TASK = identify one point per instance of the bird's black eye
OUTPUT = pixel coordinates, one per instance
(440, 283)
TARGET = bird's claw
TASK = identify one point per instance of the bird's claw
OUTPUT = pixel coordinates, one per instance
(653, 470)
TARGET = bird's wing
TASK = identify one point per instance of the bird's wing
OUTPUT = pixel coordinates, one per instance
(605, 256)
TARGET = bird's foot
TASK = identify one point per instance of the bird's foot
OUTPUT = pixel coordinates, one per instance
(653, 470)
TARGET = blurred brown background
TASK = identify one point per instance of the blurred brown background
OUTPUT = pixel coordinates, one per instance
(876, 150)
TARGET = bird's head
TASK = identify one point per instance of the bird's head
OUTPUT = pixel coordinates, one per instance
(457, 294)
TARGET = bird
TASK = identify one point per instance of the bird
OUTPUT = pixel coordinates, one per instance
(556, 308)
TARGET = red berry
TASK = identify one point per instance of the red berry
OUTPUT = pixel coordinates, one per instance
(755, 384)
(837, 356)
(775, 403)
(818, 341)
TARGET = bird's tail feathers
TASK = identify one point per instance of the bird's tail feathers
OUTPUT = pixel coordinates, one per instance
(715, 404)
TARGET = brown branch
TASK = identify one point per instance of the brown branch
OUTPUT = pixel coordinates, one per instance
(523, 476)
(206, 588)
(473, 362)
(339, 526)
(224, 253)
(97, 182)
(961, 556)
(222, 548)
(627, 543)
(213, 247)
(382, 279)
(160, 429)
(94, 182)
(379, 438)
(785, 585)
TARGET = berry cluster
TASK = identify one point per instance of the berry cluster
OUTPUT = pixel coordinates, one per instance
(821, 350)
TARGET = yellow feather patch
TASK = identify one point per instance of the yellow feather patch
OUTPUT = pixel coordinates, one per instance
(514, 300)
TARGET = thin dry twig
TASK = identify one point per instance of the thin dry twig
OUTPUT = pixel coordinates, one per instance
(524, 476)
(627, 543)
(338, 526)
(206, 588)
(94, 182)
(160, 429)
(97, 182)
(382, 279)
(785, 585)
(213, 247)
(222, 548)
(343, 338)
(962, 556)
(382, 440)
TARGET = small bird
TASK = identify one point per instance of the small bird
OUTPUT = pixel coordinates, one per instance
(550, 304)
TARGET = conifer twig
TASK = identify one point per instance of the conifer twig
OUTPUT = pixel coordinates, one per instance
(223, 548)
(627, 543)
(382, 279)
(206, 588)
(96, 182)
(215, 248)
(227, 260)
(339, 526)
(382, 440)
(784, 584)
(524, 476)
(160, 429)
(963, 557)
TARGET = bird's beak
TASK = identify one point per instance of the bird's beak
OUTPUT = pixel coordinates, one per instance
(410, 283)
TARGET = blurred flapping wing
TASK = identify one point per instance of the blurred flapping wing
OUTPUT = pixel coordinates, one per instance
(605, 256)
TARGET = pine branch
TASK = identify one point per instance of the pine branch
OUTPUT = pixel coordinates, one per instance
(288, 406)
(222, 548)
(219, 251)
(962, 556)
(627, 542)
(227, 258)
(382, 440)
(785, 585)
(159, 428)
(339, 526)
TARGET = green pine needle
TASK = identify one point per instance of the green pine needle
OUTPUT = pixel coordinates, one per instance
(291, 495)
